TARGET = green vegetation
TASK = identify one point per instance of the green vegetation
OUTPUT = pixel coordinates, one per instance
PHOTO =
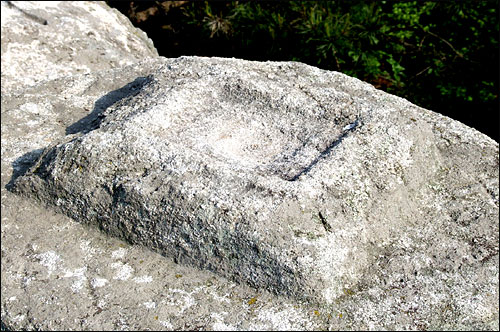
(439, 55)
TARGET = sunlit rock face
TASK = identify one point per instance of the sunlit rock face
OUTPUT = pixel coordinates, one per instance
(50, 39)
(304, 182)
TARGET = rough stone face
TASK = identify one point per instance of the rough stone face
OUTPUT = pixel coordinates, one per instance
(61, 275)
(58, 274)
(411, 195)
(79, 37)
(304, 182)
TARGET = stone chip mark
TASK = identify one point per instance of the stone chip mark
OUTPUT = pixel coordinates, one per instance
(324, 222)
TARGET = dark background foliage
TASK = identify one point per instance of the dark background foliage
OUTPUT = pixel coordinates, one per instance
(443, 56)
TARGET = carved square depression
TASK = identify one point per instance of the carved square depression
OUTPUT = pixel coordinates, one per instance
(252, 123)
(201, 165)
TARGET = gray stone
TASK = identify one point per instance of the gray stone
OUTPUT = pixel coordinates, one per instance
(408, 198)
(58, 274)
(79, 37)
(304, 182)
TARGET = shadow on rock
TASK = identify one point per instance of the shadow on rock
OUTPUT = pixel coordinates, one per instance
(22, 164)
(92, 121)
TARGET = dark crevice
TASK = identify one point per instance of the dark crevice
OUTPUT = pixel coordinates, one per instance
(325, 223)
(349, 128)
(33, 17)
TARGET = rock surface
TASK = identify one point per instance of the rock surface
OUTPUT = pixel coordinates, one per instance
(79, 37)
(303, 182)
(60, 275)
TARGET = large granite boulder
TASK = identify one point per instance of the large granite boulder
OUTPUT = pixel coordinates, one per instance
(58, 274)
(304, 182)
(365, 211)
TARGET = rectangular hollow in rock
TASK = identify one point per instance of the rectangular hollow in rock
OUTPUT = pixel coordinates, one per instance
(268, 173)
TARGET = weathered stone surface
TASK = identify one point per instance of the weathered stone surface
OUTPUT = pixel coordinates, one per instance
(79, 37)
(301, 181)
(60, 275)
(430, 257)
